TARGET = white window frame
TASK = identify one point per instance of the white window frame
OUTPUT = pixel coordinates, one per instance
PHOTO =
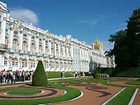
(15, 62)
(24, 63)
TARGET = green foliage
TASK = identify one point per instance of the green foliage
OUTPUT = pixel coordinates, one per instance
(95, 74)
(119, 48)
(121, 71)
(127, 43)
(129, 72)
(108, 71)
(39, 76)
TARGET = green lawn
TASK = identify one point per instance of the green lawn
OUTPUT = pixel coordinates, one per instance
(71, 93)
(133, 82)
(23, 91)
(124, 97)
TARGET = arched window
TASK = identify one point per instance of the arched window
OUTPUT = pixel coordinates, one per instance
(6, 40)
(15, 62)
(15, 33)
(5, 61)
(15, 44)
(24, 46)
(46, 50)
(6, 31)
(24, 63)
(40, 48)
(32, 48)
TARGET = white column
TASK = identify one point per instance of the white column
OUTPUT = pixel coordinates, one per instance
(43, 45)
(3, 28)
(20, 40)
(80, 54)
(59, 49)
(37, 45)
(54, 49)
(11, 38)
(63, 51)
(29, 43)
(1, 60)
(49, 47)
(71, 51)
(67, 51)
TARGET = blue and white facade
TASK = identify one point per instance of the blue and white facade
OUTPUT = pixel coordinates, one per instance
(22, 45)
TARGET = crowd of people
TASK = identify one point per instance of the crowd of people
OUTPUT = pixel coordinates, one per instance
(9, 76)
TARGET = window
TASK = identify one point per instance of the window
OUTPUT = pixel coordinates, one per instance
(32, 48)
(24, 63)
(33, 38)
(46, 50)
(33, 64)
(24, 36)
(47, 65)
(24, 46)
(15, 42)
(6, 40)
(52, 65)
(15, 33)
(6, 31)
(5, 61)
(15, 62)
(40, 48)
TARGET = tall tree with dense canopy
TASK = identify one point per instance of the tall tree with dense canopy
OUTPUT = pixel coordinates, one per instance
(39, 76)
(133, 39)
(127, 43)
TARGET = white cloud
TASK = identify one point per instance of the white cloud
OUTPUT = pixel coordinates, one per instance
(24, 15)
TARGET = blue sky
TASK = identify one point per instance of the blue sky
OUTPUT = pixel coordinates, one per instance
(83, 19)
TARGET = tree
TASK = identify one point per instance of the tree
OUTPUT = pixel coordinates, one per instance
(119, 48)
(127, 43)
(39, 76)
(133, 39)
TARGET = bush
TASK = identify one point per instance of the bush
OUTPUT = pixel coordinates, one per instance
(108, 71)
(130, 72)
(39, 76)
(121, 71)
(95, 74)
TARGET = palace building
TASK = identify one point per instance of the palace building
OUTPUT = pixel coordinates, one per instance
(22, 45)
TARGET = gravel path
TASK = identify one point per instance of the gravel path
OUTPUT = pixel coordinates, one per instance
(47, 93)
(137, 99)
(93, 95)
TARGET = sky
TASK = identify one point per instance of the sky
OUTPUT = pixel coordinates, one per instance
(85, 20)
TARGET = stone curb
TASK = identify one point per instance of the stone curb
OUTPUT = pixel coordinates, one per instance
(133, 97)
(113, 97)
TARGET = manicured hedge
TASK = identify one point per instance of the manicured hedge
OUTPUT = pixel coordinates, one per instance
(39, 76)
(57, 74)
(121, 72)
(131, 72)
(108, 71)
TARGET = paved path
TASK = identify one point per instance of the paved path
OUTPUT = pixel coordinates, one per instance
(95, 95)
(137, 99)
